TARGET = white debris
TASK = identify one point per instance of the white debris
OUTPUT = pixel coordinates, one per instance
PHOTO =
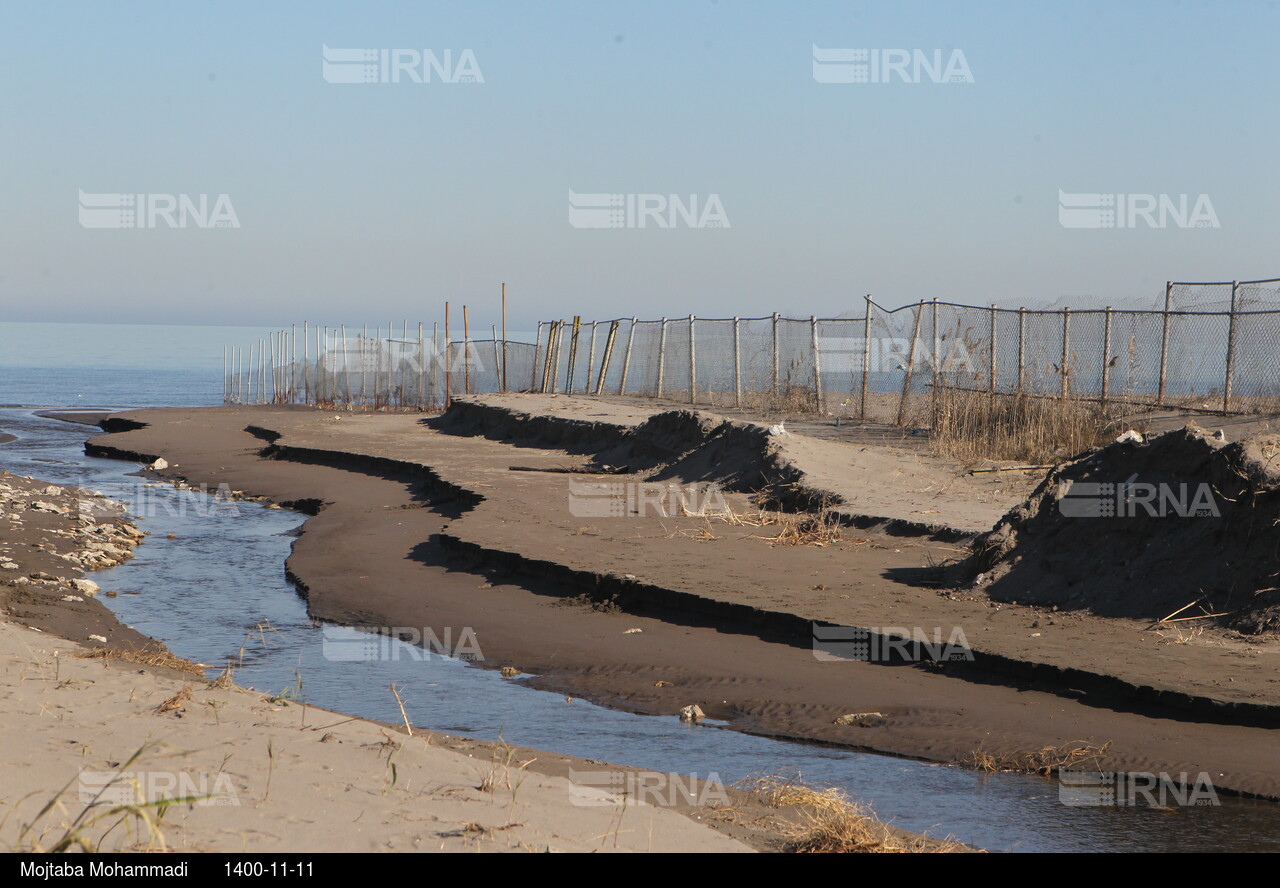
(861, 719)
(1131, 437)
(692, 714)
(159, 464)
(98, 638)
(86, 587)
(778, 430)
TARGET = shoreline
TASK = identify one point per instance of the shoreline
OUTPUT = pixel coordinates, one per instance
(46, 643)
(947, 717)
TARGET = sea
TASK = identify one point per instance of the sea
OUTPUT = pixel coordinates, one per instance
(115, 366)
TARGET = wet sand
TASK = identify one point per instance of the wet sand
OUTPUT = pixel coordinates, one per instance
(84, 693)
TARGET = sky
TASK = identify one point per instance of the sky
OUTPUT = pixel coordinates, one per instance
(366, 202)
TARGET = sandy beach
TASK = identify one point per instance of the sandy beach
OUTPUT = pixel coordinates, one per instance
(726, 615)
(100, 716)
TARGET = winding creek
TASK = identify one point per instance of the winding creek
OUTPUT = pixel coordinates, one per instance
(218, 591)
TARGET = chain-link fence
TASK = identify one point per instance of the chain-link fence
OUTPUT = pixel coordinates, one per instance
(1211, 346)
(337, 367)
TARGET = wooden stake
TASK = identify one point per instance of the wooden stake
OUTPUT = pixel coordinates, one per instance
(466, 350)
(503, 382)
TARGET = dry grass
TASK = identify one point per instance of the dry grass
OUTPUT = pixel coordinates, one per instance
(794, 395)
(970, 426)
(821, 528)
(828, 821)
(148, 656)
(1179, 635)
(1045, 761)
(54, 829)
(226, 678)
(178, 700)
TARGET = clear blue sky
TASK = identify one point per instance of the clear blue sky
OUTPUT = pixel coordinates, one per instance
(370, 202)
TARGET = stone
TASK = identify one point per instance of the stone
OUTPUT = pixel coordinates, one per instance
(86, 587)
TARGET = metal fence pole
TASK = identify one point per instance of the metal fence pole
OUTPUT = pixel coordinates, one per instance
(497, 357)
(866, 357)
(693, 364)
(466, 349)
(1164, 343)
(911, 363)
(775, 352)
(448, 361)
(537, 353)
(662, 356)
(626, 359)
(364, 361)
(737, 362)
(1106, 355)
(991, 387)
(319, 389)
(1231, 347)
(1022, 349)
(1066, 351)
(937, 349)
(435, 361)
(306, 363)
(817, 369)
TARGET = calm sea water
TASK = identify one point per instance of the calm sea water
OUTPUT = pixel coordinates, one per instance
(114, 365)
